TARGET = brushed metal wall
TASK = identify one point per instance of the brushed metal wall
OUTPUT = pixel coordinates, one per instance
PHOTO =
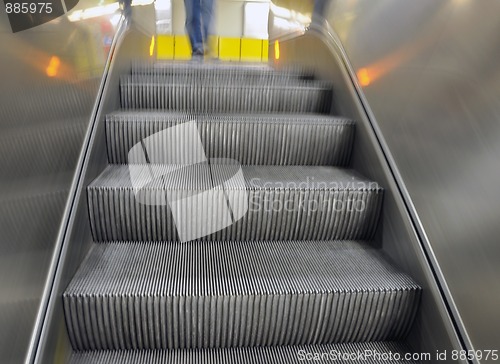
(431, 75)
(133, 41)
(49, 78)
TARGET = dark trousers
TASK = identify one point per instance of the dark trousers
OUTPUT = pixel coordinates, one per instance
(198, 23)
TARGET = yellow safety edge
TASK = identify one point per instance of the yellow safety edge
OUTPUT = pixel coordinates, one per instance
(224, 48)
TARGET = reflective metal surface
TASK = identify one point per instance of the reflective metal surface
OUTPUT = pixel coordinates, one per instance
(49, 80)
(435, 328)
(431, 76)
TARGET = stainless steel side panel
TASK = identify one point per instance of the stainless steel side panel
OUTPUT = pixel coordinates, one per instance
(49, 79)
(434, 86)
(54, 344)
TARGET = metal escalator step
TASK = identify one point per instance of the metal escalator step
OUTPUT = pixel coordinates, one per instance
(170, 203)
(221, 69)
(284, 139)
(139, 66)
(332, 353)
(211, 78)
(228, 95)
(224, 294)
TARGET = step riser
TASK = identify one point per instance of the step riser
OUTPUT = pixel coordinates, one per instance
(224, 98)
(247, 140)
(272, 215)
(98, 323)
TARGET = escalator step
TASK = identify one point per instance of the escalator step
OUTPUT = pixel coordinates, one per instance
(229, 95)
(221, 294)
(221, 69)
(274, 355)
(171, 203)
(212, 78)
(282, 139)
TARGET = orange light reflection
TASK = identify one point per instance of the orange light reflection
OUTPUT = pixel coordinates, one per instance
(53, 67)
(364, 77)
(372, 72)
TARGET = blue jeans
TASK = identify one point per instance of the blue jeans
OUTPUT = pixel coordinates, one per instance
(198, 23)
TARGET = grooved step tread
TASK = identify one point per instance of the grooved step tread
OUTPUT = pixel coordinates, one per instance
(251, 70)
(268, 203)
(265, 139)
(222, 294)
(274, 355)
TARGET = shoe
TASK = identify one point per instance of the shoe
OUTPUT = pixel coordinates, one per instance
(197, 55)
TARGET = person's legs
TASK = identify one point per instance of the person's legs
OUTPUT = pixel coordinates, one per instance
(193, 25)
(207, 10)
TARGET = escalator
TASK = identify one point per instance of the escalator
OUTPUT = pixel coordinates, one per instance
(294, 273)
